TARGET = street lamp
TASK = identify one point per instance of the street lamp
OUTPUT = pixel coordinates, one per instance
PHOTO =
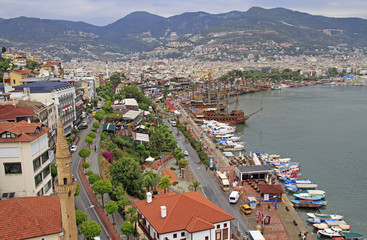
(91, 206)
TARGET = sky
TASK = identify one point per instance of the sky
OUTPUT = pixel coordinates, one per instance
(103, 12)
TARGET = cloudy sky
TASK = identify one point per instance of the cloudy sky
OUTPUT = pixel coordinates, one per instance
(103, 12)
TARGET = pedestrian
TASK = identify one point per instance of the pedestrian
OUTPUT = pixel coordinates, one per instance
(95, 148)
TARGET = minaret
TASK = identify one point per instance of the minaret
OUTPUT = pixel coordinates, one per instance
(106, 69)
(65, 185)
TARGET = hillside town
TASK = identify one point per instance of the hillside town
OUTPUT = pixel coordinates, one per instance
(115, 150)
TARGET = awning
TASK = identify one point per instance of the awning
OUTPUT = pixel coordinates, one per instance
(79, 103)
(149, 159)
(109, 127)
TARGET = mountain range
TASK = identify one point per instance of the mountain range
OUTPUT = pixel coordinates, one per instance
(142, 31)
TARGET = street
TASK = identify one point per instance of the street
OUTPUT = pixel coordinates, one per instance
(210, 185)
(82, 202)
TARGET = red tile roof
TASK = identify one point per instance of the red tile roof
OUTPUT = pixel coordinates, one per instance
(24, 130)
(272, 189)
(9, 112)
(26, 71)
(187, 211)
(28, 217)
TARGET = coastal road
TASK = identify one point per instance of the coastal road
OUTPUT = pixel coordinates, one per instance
(210, 185)
(82, 201)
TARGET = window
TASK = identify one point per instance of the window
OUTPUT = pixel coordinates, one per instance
(44, 157)
(40, 192)
(36, 163)
(48, 186)
(13, 168)
(182, 234)
(38, 179)
(46, 171)
(175, 235)
(225, 225)
(13, 81)
(206, 237)
(218, 226)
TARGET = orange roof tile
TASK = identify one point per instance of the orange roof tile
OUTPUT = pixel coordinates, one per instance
(9, 112)
(187, 211)
(23, 129)
(28, 217)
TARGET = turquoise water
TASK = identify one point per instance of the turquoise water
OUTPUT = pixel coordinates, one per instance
(324, 129)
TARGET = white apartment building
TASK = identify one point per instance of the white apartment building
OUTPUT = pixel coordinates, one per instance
(62, 94)
(24, 159)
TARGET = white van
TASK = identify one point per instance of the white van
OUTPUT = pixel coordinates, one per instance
(255, 235)
(234, 196)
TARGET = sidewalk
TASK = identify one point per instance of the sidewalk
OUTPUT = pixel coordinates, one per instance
(93, 159)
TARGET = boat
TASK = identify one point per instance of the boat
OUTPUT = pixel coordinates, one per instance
(307, 196)
(299, 181)
(235, 117)
(308, 203)
(329, 233)
(320, 226)
(201, 105)
(352, 235)
(325, 216)
(301, 188)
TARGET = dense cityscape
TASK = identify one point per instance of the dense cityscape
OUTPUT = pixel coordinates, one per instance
(142, 145)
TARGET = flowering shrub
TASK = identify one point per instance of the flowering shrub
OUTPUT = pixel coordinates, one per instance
(108, 156)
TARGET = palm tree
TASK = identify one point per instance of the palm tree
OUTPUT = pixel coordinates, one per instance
(164, 183)
(195, 186)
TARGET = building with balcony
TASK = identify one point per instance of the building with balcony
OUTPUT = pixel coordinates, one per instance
(24, 159)
(62, 94)
(185, 216)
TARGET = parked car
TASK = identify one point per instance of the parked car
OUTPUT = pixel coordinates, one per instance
(173, 123)
(186, 153)
(73, 148)
(234, 196)
(245, 209)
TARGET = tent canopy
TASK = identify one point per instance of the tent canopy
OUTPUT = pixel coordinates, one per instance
(149, 159)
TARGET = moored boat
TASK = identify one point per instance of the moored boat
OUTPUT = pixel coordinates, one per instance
(308, 203)
(307, 196)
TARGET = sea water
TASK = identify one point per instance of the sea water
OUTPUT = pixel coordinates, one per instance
(322, 127)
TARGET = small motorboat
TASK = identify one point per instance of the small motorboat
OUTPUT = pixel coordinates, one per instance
(308, 203)
(320, 226)
(307, 196)
(329, 233)
(325, 216)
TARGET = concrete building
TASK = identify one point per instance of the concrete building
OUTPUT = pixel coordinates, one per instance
(62, 94)
(24, 159)
(188, 216)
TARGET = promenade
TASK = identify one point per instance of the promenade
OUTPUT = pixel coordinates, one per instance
(285, 221)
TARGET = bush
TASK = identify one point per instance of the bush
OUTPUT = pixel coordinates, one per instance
(142, 195)
(108, 156)
(89, 172)
(175, 183)
(94, 130)
(155, 192)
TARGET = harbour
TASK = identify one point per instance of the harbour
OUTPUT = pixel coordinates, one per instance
(323, 128)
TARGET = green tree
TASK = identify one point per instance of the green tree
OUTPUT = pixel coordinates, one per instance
(96, 125)
(164, 183)
(85, 165)
(121, 196)
(151, 180)
(80, 216)
(89, 110)
(101, 187)
(99, 116)
(92, 135)
(77, 191)
(115, 79)
(127, 171)
(3, 50)
(53, 170)
(88, 140)
(127, 228)
(94, 178)
(90, 229)
(74, 131)
(195, 186)
(111, 208)
(84, 153)
(183, 163)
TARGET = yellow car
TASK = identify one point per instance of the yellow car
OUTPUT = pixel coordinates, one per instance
(245, 209)
(94, 113)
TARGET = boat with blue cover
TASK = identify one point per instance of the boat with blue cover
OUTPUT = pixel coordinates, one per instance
(308, 203)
